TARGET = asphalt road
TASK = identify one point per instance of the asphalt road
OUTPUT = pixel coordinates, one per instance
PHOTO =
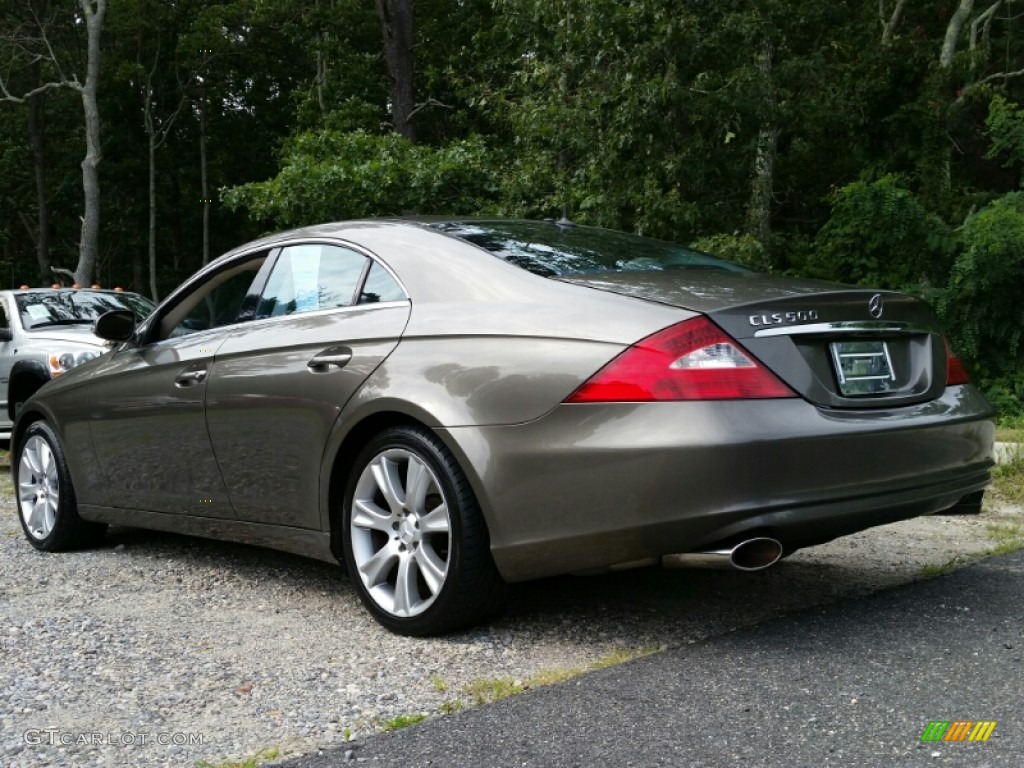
(854, 684)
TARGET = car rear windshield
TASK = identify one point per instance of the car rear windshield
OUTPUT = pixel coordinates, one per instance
(553, 250)
(40, 309)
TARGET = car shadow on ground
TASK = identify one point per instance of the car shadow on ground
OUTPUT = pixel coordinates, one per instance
(640, 604)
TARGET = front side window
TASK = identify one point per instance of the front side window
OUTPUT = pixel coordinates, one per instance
(311, 277)
(216, 302)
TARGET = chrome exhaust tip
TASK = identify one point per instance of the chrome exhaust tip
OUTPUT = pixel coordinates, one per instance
(750, 555)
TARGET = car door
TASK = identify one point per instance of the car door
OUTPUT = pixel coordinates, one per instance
(327, 317)
(148, 402)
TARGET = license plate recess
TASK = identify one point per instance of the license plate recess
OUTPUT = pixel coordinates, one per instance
(863, 367)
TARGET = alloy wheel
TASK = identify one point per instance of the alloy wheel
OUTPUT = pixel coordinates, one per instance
(38, 487)
(400, 532)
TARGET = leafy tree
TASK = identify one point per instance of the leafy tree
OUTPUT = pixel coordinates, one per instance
(1006, 131)
(32, 44)
(982, 306)
(338, 175)
(880, 234)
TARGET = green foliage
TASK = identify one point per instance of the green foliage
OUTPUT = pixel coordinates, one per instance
(643, 115)
(486, 690)
(982, 304)
(1005, 125)
(450, 707)
(880, 234)
(1006, 393)
(329, 175)
(402, 721)
(741, 248)
(1009, 485)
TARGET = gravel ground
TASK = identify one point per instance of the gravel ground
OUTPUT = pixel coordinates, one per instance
(161, 650)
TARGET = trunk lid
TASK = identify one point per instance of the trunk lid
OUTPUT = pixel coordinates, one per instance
(835, 345)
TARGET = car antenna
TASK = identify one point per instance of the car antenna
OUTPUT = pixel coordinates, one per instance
(565, 221)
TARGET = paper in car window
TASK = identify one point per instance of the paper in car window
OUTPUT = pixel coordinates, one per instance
(38, 312)
(305, 269)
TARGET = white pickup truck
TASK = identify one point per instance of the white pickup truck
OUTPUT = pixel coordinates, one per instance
(46, 331)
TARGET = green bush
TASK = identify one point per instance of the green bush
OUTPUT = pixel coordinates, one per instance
(982, 305)
(742, 248)
(333, 175)
(879, 234)
(1007, 395)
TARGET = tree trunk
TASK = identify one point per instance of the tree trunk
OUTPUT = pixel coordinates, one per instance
(946, 54)
(321, 69)
(762, 187)
(154, 294)
(396, 21)
(205, 192)
(88, 247)
(956, 25)
(138, 271)
(175, 234)
(889, 27)
(35, 135)
(321, 74)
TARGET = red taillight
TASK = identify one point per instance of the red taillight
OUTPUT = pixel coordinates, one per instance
(955, 371)
(693, 360)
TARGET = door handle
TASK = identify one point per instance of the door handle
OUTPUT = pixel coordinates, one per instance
(336, 357)
(190, 377)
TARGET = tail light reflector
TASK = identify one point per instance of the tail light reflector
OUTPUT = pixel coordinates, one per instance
(692, 360)
(956, 373)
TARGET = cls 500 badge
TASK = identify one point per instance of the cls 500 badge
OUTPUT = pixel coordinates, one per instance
(784, 318)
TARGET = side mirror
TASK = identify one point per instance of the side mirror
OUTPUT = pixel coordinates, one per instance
(115, 325)
(5, 334)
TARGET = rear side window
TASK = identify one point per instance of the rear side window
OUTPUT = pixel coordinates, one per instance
(380, 286)
(311, 277)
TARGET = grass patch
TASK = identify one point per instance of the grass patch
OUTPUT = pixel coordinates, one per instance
(622, 655)
(1009, 537)
(1010, 434)
(931, 571)
(438, 683)
(250, 762)
(1008, 481)
(484, 691)
(402, 721)
(451, 706)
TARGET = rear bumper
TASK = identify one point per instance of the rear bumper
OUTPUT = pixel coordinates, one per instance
(588, 486)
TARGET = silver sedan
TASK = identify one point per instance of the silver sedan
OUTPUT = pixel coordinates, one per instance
(448, 406)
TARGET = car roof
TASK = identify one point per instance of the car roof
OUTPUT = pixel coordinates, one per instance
(351, 229)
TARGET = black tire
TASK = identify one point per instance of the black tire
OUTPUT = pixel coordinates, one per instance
(68, 530)
(471, 589)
